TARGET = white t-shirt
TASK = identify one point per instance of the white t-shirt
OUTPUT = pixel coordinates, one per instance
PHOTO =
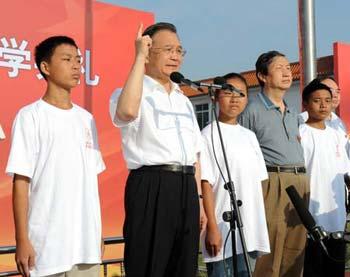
(166, 129)
(335, 122)
(58, 150)
(247, 169)
(326, 162)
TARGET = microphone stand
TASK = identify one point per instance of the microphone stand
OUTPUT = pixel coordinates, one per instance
(233, 216)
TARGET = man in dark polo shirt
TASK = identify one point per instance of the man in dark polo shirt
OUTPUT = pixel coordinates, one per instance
(276, 128)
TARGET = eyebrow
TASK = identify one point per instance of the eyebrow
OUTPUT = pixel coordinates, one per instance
(172, 45)
(70, 55)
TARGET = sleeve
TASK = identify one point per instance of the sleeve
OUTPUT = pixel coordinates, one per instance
(197, 133)
(113, 102)
(208, 165)
(100, 165)
(24, 147)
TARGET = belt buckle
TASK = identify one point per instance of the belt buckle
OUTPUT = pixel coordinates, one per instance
(296, 170)
(278, 169)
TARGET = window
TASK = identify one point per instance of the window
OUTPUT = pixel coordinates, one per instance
(202, 114)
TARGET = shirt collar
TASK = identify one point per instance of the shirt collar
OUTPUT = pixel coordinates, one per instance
(153, 84)
(268, 103)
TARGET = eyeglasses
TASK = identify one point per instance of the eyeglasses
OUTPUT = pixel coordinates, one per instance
(337, 90)
(168, 50)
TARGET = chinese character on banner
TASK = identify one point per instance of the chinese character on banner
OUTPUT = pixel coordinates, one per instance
(13, 56)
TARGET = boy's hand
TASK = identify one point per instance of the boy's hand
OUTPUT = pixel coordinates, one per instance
(213, 241)
(25, 257)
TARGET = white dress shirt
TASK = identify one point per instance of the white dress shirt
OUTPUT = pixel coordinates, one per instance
(165, 131)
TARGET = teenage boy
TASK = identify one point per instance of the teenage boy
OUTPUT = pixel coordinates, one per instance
(326, 162)
(55, 160)
(247, 167)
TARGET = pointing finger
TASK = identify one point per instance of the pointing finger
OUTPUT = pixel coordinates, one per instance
(139, 32)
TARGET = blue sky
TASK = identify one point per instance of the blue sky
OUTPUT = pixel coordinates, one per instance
(228, 35)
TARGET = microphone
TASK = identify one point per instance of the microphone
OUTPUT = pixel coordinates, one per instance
(178, 78)
(316, 232)
(225, 86)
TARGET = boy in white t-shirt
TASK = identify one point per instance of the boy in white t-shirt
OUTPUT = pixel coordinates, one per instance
(326, 163)
(247, 169)
(55, 160)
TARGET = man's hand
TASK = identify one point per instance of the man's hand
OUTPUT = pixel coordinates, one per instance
(213, 241)
(25, 257)
(142, 44)
(202, 217)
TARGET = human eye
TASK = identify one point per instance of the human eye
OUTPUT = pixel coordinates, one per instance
(168, 50)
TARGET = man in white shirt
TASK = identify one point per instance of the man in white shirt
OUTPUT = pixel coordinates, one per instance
(326, 162)
(161, 144)
(55, 160)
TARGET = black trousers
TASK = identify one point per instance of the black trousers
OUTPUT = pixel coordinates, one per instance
(317, 263)
(161, 227)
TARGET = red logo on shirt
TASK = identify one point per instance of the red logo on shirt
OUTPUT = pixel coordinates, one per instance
(337, 151)
(88, 139)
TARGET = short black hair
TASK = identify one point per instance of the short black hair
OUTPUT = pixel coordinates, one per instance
(234, 75)
(153, 29)
(45, 49)
(263, 62)
(314, 85)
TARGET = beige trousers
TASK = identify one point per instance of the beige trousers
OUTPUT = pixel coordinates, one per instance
(287, 234)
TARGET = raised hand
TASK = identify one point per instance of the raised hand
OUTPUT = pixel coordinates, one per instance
(142, 44)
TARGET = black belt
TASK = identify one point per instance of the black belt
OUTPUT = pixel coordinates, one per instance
(184, 169)
(287, 169)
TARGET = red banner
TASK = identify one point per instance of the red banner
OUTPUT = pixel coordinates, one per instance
(342, 75)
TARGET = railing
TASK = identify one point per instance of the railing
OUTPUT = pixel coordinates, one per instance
(112, 240)
(107, 241)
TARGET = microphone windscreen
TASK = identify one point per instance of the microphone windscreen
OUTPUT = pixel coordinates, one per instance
(219, 81)
(176, 77)
(304, 214)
